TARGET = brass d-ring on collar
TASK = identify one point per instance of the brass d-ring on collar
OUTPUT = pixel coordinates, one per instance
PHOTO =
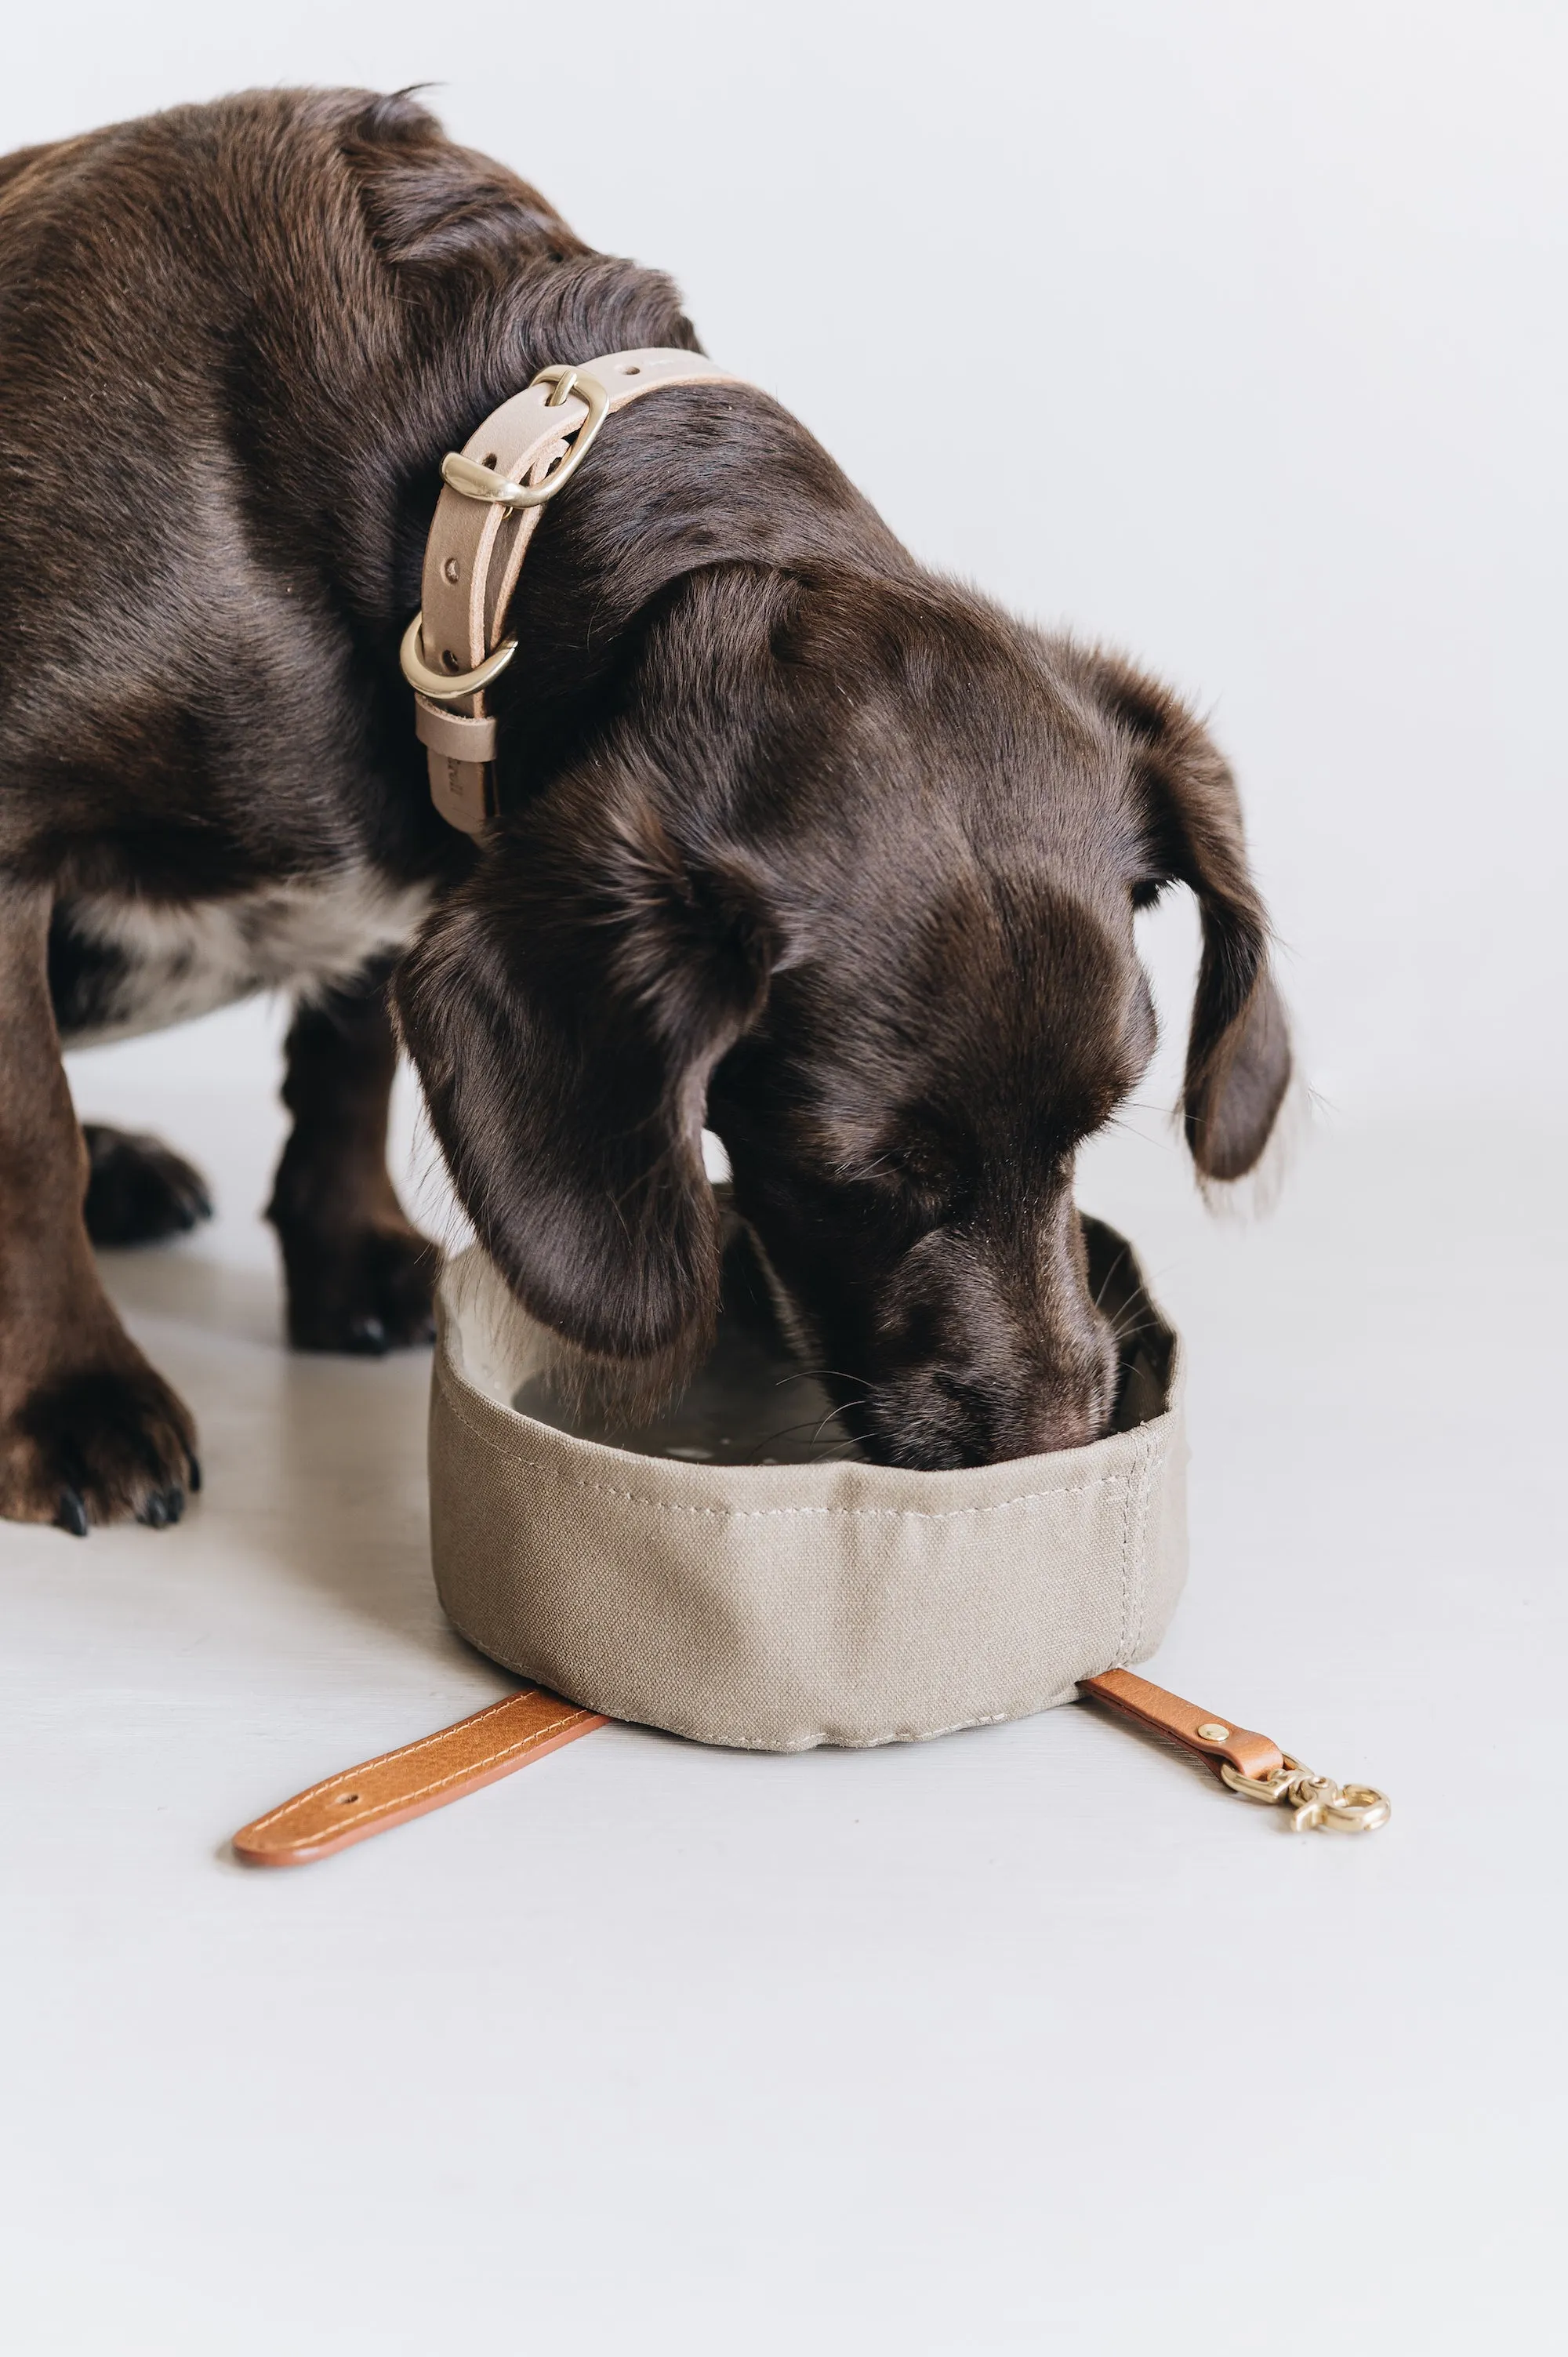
(481, 483)
(448, 686)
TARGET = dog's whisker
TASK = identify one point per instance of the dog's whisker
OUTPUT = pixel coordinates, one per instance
(815, 1423)
(1109, 1279)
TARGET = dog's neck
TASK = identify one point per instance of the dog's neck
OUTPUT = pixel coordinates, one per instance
(703, 476)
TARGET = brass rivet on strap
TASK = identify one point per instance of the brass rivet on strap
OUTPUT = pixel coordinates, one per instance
(1212, 1732)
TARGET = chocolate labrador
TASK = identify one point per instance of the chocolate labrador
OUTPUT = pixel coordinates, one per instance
(793, 837)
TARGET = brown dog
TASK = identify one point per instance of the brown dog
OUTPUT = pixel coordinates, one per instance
(790, 832)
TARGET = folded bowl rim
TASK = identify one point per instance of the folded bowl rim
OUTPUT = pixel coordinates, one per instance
(816, 1484)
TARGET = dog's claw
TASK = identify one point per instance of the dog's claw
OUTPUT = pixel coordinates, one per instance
(71, 1514)
(162, 1507)
(366, 1294)
(106, 1442)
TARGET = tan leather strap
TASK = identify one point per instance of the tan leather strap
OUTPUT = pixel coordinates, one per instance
(1212, 1739)
(441, 1768)
(421, 1776)
(475, 552)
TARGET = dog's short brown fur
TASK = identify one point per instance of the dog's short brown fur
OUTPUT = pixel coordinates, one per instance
(792, 832)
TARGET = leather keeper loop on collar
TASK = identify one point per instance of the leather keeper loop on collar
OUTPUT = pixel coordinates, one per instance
(454, 735)
(477, 544)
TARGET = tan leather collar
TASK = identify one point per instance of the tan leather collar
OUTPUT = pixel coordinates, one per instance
(496, 488)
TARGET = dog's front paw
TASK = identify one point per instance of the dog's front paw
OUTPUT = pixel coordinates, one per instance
(368, 1292)
(101, 1443)
(137, 1191)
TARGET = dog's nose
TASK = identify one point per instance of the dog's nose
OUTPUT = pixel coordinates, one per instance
(971, 1415)
(931, 1419)
(941, 1418)
(1067, 1423)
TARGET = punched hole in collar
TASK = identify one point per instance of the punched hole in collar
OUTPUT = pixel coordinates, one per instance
(488, 459)
(628, 368)
(345, 1800)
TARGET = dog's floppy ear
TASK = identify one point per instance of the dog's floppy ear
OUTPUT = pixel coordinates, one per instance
(564, 1008)
(1238, 1052)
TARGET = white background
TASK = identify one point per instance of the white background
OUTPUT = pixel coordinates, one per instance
(1028, 2040)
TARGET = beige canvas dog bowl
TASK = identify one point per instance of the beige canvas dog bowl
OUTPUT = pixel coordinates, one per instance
(764, 1586)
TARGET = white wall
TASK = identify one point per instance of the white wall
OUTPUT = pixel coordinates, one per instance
(1289, 282)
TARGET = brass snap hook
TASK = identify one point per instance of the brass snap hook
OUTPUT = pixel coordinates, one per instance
(1317, 1804)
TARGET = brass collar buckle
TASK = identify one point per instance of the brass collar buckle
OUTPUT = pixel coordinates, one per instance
(476, 482)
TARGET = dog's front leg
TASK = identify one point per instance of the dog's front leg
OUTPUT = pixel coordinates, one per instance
(360, 1277)
(88, 1432)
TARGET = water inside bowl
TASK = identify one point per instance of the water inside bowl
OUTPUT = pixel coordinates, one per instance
(754, 1403)
(751, 1402)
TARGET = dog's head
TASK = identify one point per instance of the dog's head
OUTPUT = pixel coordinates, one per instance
(847, 868)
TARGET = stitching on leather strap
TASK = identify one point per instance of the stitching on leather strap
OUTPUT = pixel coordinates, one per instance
(385, 1758)
(1140, 1550)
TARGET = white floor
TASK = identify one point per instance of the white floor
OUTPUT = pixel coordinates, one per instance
(1031, 2039)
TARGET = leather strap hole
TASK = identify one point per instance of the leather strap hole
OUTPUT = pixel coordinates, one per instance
(452, 569)
(488, 459)
(449, 660)
(630, 368)
(346, 1800)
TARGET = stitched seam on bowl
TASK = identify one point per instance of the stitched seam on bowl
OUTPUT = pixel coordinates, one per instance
(1145, 1496)
(778, 1514)
(818, 1738)
(820, 1741)
(1126, 1549)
